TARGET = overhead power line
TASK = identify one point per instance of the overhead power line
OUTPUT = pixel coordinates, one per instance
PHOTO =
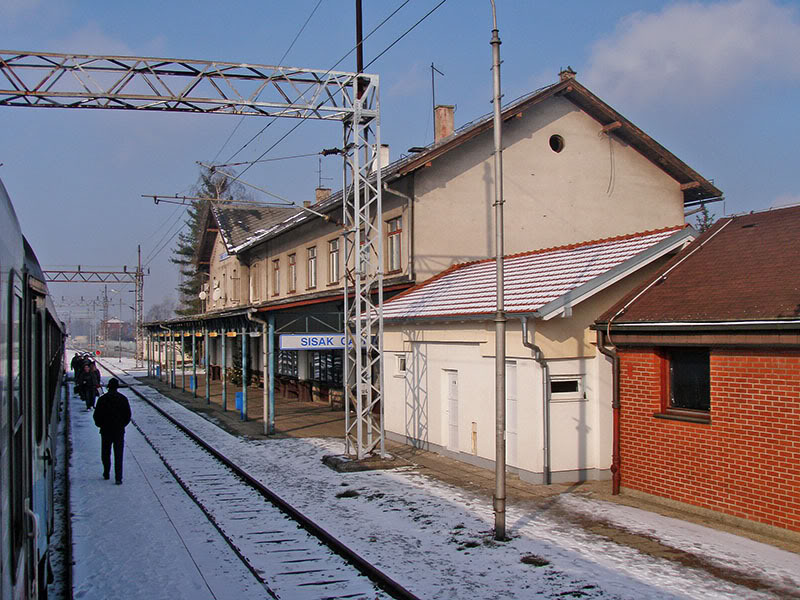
(336, 64)
(280, 62)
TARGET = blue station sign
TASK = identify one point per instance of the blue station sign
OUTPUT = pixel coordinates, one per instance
(311, 341)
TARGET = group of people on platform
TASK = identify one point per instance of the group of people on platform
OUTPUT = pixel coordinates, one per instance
(112, 415)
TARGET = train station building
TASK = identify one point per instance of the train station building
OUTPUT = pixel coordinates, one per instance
(577, 174)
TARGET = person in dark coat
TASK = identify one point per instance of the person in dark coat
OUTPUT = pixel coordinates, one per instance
(112, 415)
(77, 365)
(87, 384)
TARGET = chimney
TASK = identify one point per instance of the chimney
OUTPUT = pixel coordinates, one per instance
(567, 73)
(306, 203)
(321, 194)
(443, 121)
(384, 155)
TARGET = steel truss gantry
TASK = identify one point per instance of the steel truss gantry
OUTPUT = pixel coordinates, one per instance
(53, 80)
(124, 276)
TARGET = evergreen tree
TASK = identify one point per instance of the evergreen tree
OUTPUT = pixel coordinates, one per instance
(211, 184)
(704, 220)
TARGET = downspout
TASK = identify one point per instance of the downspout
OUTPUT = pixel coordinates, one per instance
(538, 356)
(603, 338)
(268, 383)
(410, 201)
(615, 407)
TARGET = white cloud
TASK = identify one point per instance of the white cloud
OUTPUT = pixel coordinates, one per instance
(786, 200)
(91, 39)
(691, 52)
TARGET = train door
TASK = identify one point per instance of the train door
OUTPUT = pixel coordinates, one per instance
(41, 457)
(22, 559)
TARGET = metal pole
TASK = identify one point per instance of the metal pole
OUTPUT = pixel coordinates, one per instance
(265, 372)
(183, 361)
(119, 332)
(194, 362)
(243, 414)
(271, 342)
(206, 361)
(500, 316)
(224, 373)
(173, 382)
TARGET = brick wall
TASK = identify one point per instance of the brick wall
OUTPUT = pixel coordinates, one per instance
(745, 463)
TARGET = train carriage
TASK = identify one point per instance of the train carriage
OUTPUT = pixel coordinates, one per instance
(31, 372)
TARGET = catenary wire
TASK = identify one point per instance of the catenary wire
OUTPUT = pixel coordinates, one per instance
(409, 30)
(178, 217)
(336, 64)
(280, 62)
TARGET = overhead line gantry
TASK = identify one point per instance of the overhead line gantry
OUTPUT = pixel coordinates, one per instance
(54, 80)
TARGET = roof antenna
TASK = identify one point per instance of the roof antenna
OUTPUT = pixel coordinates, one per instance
(434, 70)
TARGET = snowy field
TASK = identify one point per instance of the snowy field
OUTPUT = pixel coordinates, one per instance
(434, 539)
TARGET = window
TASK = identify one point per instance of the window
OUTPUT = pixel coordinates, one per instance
(292, 274)
(394, 227)
(689, 384)
(566, 387)
(287, 363)
(400, 362)
(333, 261)
(326, 366)
(16, 495)
(312, 267)
(276, 277)
(234, 287)
(255, 282)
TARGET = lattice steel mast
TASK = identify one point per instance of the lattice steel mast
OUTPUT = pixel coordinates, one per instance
(54, 80)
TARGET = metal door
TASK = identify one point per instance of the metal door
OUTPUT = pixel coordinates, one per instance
(511, 413)
(452, 410)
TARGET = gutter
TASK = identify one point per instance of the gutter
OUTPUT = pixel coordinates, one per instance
(616, 475)
(538, 356)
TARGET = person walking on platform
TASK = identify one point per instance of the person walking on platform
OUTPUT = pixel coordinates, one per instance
(112, 415)
(77, 365)
(87, 384)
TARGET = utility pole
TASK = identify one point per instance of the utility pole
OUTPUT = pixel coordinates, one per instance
(500, 316)
(139, 310)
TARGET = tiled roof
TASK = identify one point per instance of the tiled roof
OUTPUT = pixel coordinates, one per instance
(533, 280)
(745, 268)
(697, 187)
(238, 226)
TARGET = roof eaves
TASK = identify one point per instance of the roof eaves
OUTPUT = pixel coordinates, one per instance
(577, 295)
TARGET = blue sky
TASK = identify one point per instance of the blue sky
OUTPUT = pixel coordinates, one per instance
(717, 83)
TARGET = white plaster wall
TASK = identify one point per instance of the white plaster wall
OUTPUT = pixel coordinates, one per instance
(596, 187)
(417, 406)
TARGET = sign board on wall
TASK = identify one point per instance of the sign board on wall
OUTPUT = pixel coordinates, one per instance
(311, 341)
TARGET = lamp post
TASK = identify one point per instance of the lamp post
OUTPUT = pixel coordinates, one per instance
(500, 315)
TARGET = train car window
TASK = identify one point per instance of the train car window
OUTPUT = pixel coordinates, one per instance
(37, 369)
(17, 449)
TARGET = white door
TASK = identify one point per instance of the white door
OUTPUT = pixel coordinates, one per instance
(452, 409)
(511, 413)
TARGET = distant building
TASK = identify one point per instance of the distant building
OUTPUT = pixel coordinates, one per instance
(709, 373)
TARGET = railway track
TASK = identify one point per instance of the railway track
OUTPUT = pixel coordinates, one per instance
(291, 555)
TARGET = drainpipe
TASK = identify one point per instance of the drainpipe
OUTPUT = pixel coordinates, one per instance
(615, 406)
(538, 356)
(269, 384)
(245, 368)
(207, 362)
(410, 200)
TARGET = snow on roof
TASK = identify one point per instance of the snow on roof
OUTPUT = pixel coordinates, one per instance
(532, 280)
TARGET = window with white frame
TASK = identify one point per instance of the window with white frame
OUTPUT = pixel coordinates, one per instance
(400, 365)
(333, 261)
(292, 274)
(312, 267)
(276, 277)
(566, 388)
(394, 229)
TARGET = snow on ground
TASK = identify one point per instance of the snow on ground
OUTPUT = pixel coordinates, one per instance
(144, 539)
(436, 540)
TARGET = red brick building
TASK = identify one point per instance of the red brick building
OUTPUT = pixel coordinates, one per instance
(707, 373)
